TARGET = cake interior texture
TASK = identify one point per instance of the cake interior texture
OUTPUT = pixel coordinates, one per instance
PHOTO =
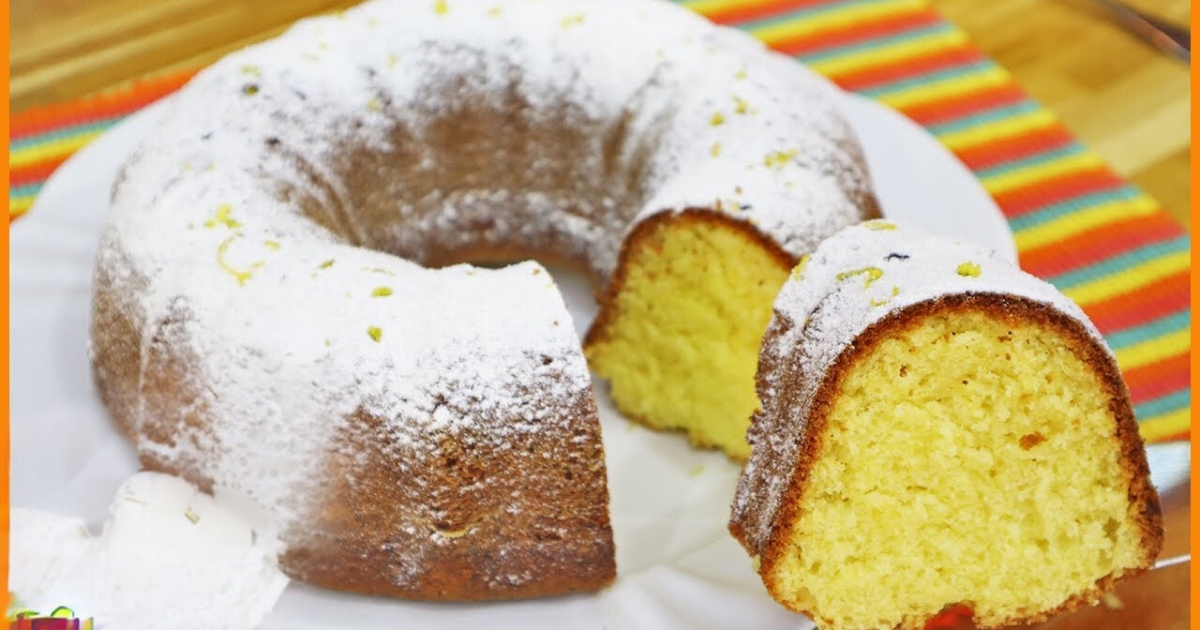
(687, 363)
(965, 459)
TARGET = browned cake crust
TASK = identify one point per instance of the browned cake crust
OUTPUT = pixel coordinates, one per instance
(365, 525)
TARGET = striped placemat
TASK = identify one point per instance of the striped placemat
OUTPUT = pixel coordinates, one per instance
(1076, 223)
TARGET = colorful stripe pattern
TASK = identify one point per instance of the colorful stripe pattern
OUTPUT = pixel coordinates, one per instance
(1076, 223)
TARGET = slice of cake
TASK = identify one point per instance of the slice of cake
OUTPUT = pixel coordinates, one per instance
(938, 429)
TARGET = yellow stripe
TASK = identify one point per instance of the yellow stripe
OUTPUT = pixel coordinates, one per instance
(1158, 427)
(18, 205)
(894, 53)
(942, 89)
(708, 7)
(1041, 171)
(1151, 350)
(1014, 126)
(45, 151)
(1083, 220)
(786, 29)
(1129, 280)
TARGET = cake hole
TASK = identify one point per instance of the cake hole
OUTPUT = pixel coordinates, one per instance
(447, 531)
(1111, 526)
(804, 596)
(544, 535)
(1031, 440)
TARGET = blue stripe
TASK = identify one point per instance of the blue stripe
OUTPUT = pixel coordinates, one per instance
(27, 189)
(980, 118)
(1073, 148)
(1150, 330)
(1121, 263)
(1162, 406)
(64, 133)
(924, 78)
(1124, 192)
(849, 49)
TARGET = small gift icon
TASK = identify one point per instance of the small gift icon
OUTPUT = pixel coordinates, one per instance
(61, 618)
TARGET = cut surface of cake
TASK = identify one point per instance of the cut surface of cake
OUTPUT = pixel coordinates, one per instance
(688, 363)
(938, 429)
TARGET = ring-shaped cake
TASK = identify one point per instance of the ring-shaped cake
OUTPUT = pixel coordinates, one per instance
(278, 311)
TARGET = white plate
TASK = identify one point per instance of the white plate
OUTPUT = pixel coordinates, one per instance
(678, 567)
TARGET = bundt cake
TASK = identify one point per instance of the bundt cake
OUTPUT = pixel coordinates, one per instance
(938, 429)
(278, 312)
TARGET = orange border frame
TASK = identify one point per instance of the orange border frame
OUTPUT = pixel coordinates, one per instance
(4, 388)
(1194, 363)
(5, 443)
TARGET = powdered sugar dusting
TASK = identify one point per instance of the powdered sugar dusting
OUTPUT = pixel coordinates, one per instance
(245, 246)
(854, 279)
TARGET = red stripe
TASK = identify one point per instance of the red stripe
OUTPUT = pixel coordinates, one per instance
(1158, 379)
(101, 106)
(75, 113)
(882, 73)
(1161, 298)
(1100, 243)
(1025, 199)
(850, 33)
(36, 172)
(750, 10)
(952, 108)
(1000, 150)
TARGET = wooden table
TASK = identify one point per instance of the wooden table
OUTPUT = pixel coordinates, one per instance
(1121, 98)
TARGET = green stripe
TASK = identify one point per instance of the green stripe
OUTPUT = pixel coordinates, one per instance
(1051, 212)
(63, 133)
(1163, 406)
(925, 78)
(980, 118)
(1157, 328)
(1120, 263)
(857, 47)
(1041, 158)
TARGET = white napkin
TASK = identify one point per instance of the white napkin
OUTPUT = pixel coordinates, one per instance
(169, 557)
